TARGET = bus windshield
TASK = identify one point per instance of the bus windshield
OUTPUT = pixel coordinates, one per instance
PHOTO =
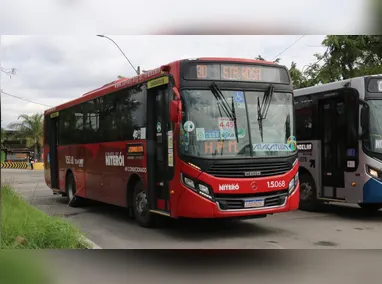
(375, 126)
(229, 125)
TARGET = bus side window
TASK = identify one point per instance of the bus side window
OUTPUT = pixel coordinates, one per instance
(304, 123)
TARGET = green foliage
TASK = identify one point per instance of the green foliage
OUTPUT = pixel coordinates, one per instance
(26, 227)
(30, 129)
(21, 267)
(345, 57)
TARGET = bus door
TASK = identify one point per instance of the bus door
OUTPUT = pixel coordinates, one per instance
(159, 144)
(52, 130)
(333, 140)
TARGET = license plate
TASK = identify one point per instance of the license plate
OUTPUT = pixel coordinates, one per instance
(254, 203)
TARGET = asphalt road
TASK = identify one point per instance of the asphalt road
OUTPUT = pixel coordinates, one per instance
(337, 226)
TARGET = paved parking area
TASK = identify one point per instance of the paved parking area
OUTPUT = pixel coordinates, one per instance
(337, 226)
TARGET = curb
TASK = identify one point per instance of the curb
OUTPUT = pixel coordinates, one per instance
(91, 244)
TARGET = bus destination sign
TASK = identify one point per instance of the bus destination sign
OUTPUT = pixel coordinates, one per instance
(236, 72)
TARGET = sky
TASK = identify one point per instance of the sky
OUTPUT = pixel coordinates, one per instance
(54, 69)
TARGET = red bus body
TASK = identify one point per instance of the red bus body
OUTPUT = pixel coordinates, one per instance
(106, 172)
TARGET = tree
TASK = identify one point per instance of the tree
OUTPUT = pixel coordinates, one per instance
(347, 57)
(30, 129)
(2, 136)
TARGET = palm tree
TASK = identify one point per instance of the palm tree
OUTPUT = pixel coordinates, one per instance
(30, 129)
(2, 136)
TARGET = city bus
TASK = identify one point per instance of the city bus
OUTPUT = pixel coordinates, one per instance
(339, 133)
(196, 138)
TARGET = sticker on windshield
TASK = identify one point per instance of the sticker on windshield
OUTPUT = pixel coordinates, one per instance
(292, 143)
(227, 135)
(200, 134)
(261, 147)
(378, 144)
(212, 134)
(189, 126)
(240, 133)
(238, 97)
(226, 123)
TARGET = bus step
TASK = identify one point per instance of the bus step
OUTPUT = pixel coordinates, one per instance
(161, 212)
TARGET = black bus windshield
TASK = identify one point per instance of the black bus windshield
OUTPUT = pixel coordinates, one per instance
(213, 129)
(374, 139)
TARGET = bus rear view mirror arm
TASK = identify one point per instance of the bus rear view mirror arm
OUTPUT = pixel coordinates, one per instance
(176, 107)
(365, 117)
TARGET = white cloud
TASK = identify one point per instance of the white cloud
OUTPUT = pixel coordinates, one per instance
(55, 69)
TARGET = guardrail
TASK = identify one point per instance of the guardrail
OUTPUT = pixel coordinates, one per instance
(21, 165)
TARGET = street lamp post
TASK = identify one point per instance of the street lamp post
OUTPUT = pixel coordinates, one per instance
(136, 70)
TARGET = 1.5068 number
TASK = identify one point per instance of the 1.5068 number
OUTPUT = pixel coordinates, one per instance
(273, 184)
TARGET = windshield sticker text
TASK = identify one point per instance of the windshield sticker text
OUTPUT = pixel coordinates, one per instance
(115, 159)
(218, 147)
(225, 187)
(225, 123)
(271, 147)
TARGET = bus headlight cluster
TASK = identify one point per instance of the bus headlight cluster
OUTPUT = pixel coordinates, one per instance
(374, 173)
(293, 183)
(202, 189)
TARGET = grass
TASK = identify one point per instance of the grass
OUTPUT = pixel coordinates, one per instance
(26, 227)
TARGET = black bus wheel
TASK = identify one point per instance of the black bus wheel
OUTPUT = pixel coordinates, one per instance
(308, 193)
(73, 201)
(141, 207)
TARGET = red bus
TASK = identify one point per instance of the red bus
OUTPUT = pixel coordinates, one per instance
(196, 138)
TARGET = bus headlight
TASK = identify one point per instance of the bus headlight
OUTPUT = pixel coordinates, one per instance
(374, 173)
(293, 183)
(203, 189)
(189, 182)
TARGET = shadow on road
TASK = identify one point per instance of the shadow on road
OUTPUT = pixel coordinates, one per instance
(199, 229)
(350, 212)
(183, 229)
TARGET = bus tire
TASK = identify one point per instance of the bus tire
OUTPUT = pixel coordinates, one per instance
(142, 215)
(308, 193)
(370, 207)
(73, 201)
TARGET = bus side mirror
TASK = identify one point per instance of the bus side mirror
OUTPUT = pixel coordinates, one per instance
(365, 118)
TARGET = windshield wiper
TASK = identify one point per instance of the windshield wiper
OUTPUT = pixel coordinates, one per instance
(262, 110)
(230, 113)
(235, 121)
(260, 119)
(220, 98)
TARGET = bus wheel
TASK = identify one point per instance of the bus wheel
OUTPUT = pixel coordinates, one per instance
(73, 201)
(308, 194)
(141, 207)
(370, 207)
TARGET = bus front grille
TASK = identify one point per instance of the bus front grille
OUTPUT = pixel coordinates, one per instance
(232, 202)
(249, 170)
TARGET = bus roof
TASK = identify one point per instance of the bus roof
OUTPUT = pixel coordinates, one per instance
(330, 86)
(126, 82)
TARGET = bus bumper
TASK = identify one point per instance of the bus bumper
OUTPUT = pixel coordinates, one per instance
(192, 205)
